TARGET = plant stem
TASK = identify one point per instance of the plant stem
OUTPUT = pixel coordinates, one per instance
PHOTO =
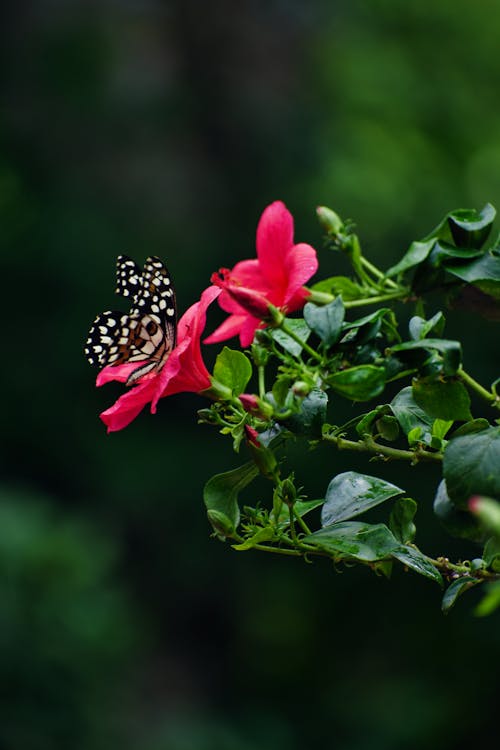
(400, 294)
(277, 550)
(477, 387)
(262, 385)
(303, 344)
(378, 274)
(368, 445)
(305, 528)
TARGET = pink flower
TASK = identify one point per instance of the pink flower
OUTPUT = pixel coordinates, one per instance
(184, 370)
(277, 276)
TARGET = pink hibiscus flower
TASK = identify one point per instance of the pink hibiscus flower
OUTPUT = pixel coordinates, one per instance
(277, 277)
(184, 370)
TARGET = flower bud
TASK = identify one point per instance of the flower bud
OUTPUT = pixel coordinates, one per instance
(259, 355)
(487, 510)
(263, 457)
(249, 299)
(255, 405)
(329, 220)
(301, 388)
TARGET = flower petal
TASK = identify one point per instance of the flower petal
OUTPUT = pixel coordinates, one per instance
(128, 406)
(301, 264)
(229, 328)
(274, 242)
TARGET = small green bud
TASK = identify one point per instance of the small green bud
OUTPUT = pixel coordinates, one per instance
(220, 523)
(301, 388)
(329, 220)
(288, 491)
(260, 355)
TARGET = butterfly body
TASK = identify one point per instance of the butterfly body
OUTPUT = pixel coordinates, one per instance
(147, 333)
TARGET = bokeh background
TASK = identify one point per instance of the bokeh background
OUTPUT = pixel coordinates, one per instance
(165, 128)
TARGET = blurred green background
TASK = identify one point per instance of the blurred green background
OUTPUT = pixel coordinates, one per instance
(165, 128)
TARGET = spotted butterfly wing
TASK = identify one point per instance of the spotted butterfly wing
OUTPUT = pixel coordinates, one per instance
(147, 334)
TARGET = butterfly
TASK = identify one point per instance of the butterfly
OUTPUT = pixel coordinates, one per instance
(147, 333)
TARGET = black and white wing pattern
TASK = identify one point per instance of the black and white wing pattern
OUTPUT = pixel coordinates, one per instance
(147, 334)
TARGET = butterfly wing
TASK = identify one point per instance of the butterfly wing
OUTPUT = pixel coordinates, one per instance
(148, 333)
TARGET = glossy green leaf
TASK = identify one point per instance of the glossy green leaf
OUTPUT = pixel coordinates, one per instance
(360, 383)
(233, 369)
(325, 320)
(301, 508)
(451, 351)
(417, 252)
(342, 285)
(442, 399)
(469, 227)
(388, 427)
(349, 494)
(457, 522)
(300, 328)
(483, 273)
(471, 466)
(401, 519)
(309, 420)
(456, 589)
(365, 424)
(366, 328)
(220, 494)
(491, 553)
(353, 540)
(420, 328)
(409, 414)
(414, 559)
(475, 425)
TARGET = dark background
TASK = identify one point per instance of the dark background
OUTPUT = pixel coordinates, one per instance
(166, 128)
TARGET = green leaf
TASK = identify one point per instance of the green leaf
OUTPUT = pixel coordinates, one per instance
(233, 369)
(326, 321)
(353, 540)
(475, 425)
(490, 601)
(420, 328)
(457, 522)
(366, 328)
(311, 416)
(388, 427)
(491, 553)
(451, 351)
(417, 252)
(409, 414)
(471, 466)
(414, 559)
(300, 328)
(360, 383)
(365, 424)
(349, 494)
(442, 399)
(483, 273)
(301, 508)
(470, 228)
(262, 535)
(456, 589)
(342, 285)
(440, 428)
(401, 519)
(220, 495)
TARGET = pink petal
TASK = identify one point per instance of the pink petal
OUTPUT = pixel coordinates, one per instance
(229, 328)
(128, 406)
(301, 264)
(274, 242)
(248, 329)
(117, 372)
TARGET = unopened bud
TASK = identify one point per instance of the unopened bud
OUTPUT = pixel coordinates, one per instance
(329, 220)
(487, 510)
(301, 388)
(255, 405)
(263, 457)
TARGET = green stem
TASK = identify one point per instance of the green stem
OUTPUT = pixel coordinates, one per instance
(368, 445)
(378, 274)
(305, 528)
(477, 387)
(400, 294)
(262, 385)
(277, 550)
(289, 332)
